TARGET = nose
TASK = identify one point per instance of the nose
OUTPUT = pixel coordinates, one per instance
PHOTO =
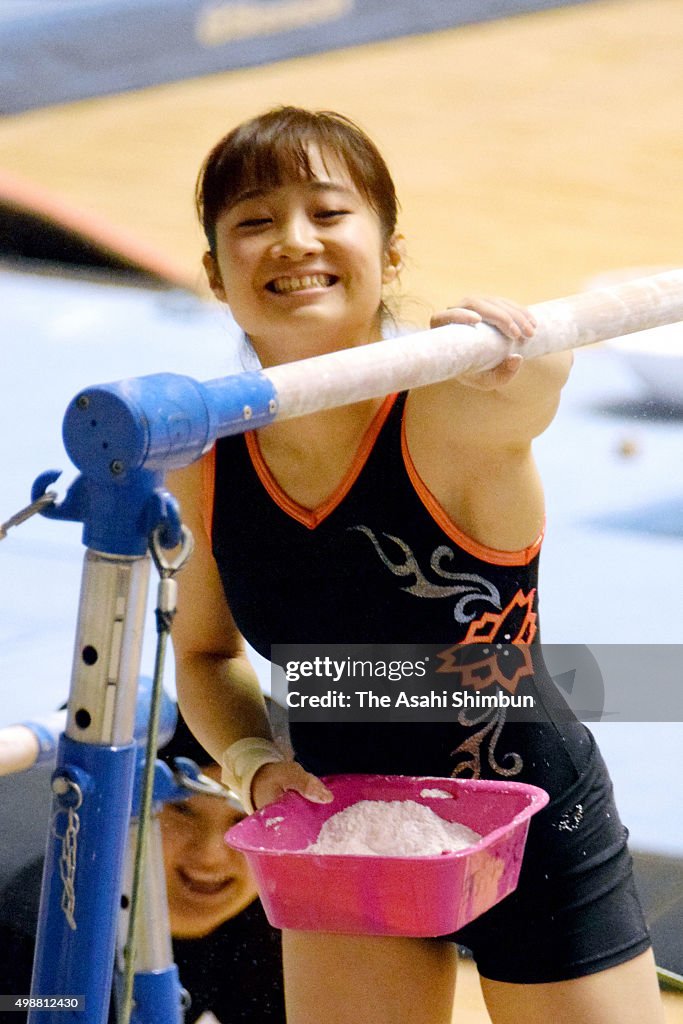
(209, 850)
(297, 237)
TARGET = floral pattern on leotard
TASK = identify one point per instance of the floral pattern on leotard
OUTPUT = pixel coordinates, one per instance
(504, 660)
(470, 587)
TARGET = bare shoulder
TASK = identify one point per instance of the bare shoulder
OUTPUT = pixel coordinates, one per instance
(203, 622)
(471, 448)
(188, 487)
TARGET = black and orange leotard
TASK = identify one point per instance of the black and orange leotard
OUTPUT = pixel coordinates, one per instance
(380, 562)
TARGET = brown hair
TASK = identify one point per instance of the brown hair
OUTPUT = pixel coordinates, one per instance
(273, 149)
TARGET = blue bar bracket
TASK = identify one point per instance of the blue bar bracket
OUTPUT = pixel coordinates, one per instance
(124, 436)
(118, 516)
(162, 421)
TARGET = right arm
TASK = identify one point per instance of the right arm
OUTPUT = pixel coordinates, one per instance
(218, 690)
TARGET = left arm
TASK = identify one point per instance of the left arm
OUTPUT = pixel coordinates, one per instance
(470, 438)
(516, 400)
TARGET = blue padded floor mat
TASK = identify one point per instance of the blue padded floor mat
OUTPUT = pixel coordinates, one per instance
(56, 51)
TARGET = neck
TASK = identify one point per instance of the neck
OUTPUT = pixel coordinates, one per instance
(346, 425)
(305, 344)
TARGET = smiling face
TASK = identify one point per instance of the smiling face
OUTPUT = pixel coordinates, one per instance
(206, 881)
(302, 265)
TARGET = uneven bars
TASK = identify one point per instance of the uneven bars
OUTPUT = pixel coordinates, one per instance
(425, 357)
(166, 421)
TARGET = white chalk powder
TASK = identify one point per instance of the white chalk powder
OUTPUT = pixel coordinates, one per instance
(394, 828)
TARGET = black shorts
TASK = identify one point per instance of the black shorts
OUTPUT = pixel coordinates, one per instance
(575, 911)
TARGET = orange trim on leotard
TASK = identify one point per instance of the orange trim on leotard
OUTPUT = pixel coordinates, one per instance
(313, 517)
(438, 514)
(208, 486)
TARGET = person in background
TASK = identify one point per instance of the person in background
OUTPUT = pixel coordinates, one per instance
(228, 956)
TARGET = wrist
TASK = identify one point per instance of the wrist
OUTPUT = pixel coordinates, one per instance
(241, 761)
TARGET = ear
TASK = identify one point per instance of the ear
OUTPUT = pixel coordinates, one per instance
(213, 276)
(393, 258)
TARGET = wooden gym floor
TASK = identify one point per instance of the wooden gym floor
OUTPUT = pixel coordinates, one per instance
(530, 153)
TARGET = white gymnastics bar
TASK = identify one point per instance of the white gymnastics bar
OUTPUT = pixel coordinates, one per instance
(425, 357)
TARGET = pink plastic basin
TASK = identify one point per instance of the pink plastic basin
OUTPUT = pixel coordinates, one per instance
(365, 895)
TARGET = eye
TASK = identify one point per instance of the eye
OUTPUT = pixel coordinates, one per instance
(254, 222)
(331, 214)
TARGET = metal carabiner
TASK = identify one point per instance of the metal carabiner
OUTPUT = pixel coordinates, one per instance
(169, 567)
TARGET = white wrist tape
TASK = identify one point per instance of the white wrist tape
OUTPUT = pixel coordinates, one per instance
(242, 760)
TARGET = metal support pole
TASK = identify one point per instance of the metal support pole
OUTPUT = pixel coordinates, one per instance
(107, 649)
(156, 989)
(92, 788)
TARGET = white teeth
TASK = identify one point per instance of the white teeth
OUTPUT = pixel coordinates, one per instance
(283, 285)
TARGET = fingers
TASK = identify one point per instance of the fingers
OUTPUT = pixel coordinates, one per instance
(313, 789)
(455, 315)
(272, 781)
(512, 320)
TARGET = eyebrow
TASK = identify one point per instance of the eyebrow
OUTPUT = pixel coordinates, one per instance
(317, 186)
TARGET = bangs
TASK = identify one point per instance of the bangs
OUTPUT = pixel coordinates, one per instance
(267, 164)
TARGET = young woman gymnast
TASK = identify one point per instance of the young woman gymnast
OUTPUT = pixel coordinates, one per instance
(416, 519)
